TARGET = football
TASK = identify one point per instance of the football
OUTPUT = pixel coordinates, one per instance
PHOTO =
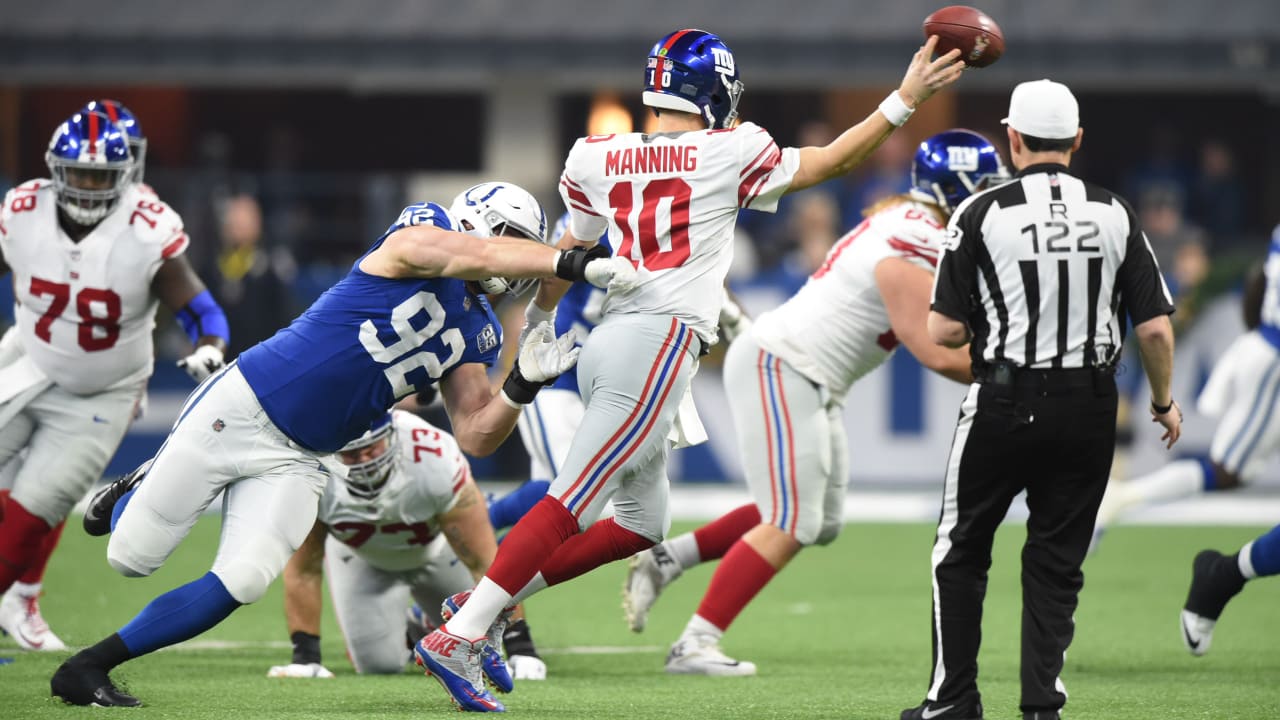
(973, 31)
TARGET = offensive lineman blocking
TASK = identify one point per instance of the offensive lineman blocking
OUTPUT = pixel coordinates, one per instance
(676, 225)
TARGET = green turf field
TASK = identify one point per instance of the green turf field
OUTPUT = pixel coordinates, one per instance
(842, 634)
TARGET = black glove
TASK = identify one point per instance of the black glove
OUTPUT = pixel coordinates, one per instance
(572, 264)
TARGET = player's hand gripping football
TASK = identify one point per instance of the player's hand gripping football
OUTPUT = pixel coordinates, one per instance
(927, 75)
(205, 361)
(299, 670)
(543, 356)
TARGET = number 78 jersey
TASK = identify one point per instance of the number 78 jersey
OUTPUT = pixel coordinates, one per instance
(670, 203)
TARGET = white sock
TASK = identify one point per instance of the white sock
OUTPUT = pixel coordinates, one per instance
(684, 548)
(1179, 479)
(537, 584)
(1245, 561)
(475, 617)
(24, 589)
(699, 625)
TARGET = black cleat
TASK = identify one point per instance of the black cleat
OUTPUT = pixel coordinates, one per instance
(970, 710)
(1215, 579)
(79, 683)
(97, 516)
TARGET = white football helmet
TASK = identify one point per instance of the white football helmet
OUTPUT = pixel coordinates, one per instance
(495, 208)
(366, 478)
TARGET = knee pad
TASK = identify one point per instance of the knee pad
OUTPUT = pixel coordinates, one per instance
(827, 534)
(124, 561)
(247, 582)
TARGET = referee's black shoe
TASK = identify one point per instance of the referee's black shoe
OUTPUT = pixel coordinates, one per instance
(97, 516)
(81, 683)
(970, 710)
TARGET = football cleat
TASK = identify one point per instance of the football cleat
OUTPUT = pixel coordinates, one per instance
(491, 662)
(937, 710)
(20, 618)
(79, 683)
(527, 667)
(97, 516)
(455, 663)
(1215, 579)
(648, 572)
(701, 655)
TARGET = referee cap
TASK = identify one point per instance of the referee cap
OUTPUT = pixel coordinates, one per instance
(1043, 109)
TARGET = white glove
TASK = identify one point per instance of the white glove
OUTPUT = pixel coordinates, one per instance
(733, 322)
(202, 363)
(534, 316)
(543, 356)
(527, 667)
(294, 670)
(615, 273)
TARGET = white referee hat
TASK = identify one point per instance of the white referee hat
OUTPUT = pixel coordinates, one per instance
(1043, 109)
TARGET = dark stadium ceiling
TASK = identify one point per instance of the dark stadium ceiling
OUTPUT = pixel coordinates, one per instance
(568, 44)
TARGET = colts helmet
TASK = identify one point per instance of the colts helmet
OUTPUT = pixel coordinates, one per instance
(128, 122)
(365, 479)
(954, 164)
(492, 208)
(89, 160)
(693, 71)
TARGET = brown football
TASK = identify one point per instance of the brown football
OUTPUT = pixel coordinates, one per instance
(968, 28)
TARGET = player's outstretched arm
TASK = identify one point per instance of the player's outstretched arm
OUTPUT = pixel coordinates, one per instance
(181, 290)
(303, 602)
(428, 251)
(925, 76)
(466, 527)
(905, 290)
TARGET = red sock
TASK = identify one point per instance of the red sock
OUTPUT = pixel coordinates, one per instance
(741, 575)
(603, 542)
(716, 537)
(21, 538)
(35, 571)
(529, 545)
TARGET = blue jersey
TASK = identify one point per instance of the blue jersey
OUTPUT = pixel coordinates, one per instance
(579, 310)
(1270, 327)
(365, 343)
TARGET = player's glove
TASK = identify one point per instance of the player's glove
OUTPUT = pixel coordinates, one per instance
(533, 317)
(543, 357)
(294, 670)
(733, 321)
(202, 363)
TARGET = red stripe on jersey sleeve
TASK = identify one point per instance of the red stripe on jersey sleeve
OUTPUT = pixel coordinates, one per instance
(909, 248)
(577, 199)
(751, 186)
(175, 246)
(460, 478)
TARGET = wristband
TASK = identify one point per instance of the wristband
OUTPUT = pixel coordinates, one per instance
(517, 390)
(306, 648)
(895, 109)
(572, 264)
(533, 315)
(1161, 409)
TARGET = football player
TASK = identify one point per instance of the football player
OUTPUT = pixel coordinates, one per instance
(92, 255)
(669, 201)
(263, 431)
(408, 521)
(786, 380)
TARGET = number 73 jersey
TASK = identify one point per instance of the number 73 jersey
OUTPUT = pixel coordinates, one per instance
(670, 203)
(85, 310)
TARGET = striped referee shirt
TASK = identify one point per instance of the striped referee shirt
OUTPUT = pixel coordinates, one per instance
(1044, 268)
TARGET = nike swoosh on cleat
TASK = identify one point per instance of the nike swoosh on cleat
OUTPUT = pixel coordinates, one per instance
(1191, 642)
(929, 713)
(35, 644)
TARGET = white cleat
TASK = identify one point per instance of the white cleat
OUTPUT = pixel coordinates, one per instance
(1197, 632)
(648, 573)
(527, 667)
(20, 618)
(701, 655)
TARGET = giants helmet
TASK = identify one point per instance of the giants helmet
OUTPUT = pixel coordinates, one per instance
(490, 209)
(693, 71)
(128, 122)
(365, 479)
(954, 164)
(89, 161)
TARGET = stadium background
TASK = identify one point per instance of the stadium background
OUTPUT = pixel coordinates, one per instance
(299, 128)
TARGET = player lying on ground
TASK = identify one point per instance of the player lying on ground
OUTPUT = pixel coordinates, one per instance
(786, 380)
(263, 431)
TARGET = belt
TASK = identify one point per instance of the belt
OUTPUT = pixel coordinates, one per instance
(1012, 377)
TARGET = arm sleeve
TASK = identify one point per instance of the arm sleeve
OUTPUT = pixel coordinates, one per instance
(1142, 288)
(957, 273)
(765, 172)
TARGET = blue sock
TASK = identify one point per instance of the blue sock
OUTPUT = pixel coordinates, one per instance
(1265, 554)
(1206, 466)
(118, 510)
(180, 614)
(507, 510)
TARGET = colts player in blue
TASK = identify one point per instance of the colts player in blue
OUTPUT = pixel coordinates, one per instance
(410, 314)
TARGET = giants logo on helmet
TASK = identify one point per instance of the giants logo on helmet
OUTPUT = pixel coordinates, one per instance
(962, 158)
(723, 60)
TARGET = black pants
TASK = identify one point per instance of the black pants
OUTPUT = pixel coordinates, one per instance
(1052, 434)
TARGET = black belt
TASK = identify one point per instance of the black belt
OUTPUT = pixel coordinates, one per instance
(1009, 376)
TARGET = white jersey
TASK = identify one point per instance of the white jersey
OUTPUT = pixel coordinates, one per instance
(670, 203)
(392, 530)
(85, 310)
(836, 329)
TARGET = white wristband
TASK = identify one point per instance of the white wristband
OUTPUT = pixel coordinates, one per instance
(895, 109)
(533, 315)
(510, 403)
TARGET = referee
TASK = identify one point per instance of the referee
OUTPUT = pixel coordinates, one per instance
(1038, 275)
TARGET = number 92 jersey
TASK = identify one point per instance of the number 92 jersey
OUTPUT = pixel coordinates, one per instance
(367, 342)
(85, 310)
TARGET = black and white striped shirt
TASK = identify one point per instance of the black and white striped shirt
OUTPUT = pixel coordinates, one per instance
(1044, 269)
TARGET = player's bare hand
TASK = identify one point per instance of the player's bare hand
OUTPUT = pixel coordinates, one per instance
(927, 75)
(299, 670)
(1172, 422)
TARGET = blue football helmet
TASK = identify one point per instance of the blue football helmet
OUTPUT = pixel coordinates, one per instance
(366, 477)
(693, 71)
(89, 160)
(120, 115)
(954, 164)
(493, 208)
